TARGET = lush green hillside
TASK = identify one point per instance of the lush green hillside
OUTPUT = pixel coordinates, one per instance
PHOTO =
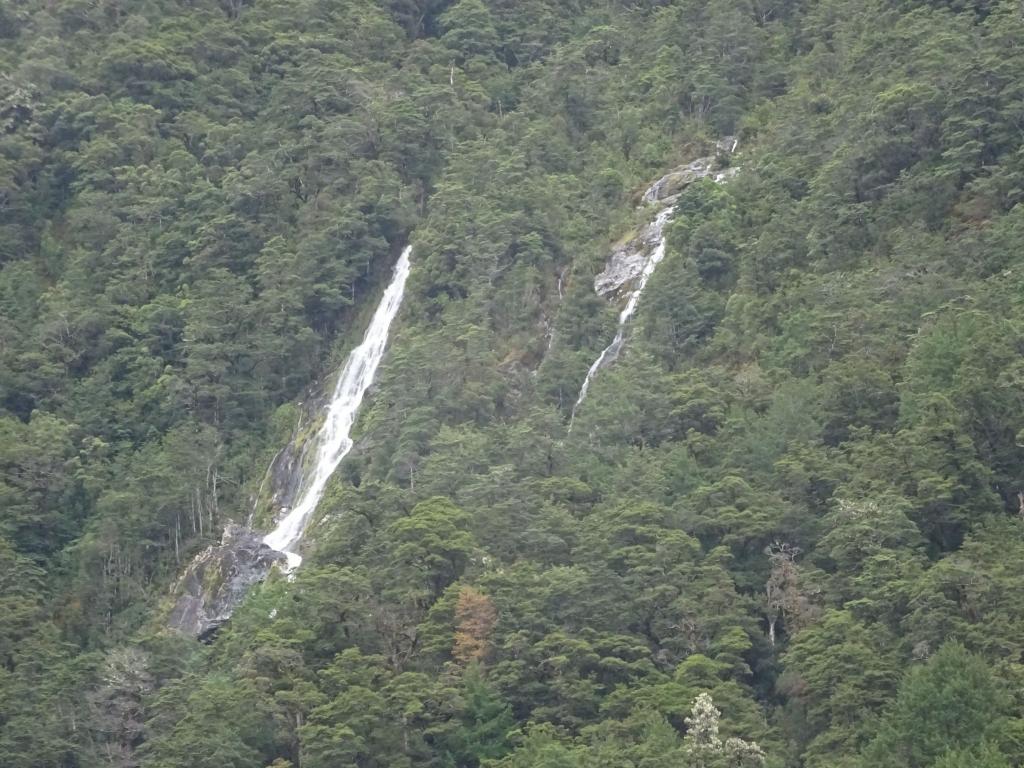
(798, 490)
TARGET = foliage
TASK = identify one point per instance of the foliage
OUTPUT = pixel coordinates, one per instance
(784, 528)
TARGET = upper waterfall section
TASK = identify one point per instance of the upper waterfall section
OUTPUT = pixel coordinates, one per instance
(627, 261)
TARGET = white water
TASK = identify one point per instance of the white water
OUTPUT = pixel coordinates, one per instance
(333, 439)
(657, 228)
(610, 353)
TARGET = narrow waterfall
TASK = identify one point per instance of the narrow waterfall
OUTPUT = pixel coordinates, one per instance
(333, 441)
(649, 249)
(610, 353)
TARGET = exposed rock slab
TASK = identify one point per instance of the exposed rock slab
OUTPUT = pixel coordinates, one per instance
(626, 262)
(673, 182)
(282, 482)
(217, 580)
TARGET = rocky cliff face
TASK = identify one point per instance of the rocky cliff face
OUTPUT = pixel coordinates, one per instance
(282, 481)
(673, 182)
(217, 580)
(214, 584)
(627, 261)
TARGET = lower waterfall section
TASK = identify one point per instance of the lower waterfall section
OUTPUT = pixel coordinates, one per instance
(216, 581)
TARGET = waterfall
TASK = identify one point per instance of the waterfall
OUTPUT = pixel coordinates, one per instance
(610, 353)
(333, 441)
(621, 268)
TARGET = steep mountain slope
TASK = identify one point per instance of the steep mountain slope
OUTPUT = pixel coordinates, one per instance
(796, 490)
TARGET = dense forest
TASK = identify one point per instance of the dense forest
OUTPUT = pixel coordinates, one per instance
(786, 528)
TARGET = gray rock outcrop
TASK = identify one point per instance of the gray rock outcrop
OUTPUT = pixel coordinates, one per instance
(627, 261)
(282, 481)
(217, 580)
(673, 182)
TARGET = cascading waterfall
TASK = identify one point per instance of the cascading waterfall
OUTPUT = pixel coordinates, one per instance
(333, 439)
(654, 235)
(610, 353)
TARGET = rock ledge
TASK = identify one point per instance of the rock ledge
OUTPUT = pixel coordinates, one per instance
(217, 580)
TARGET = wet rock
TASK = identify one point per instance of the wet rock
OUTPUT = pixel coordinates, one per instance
(282, 481)
(673, 182)
(285, 475)
(217, 580)
(627, 260)
(725, 174)
(726, 145)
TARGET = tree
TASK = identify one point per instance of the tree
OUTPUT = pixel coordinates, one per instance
(542, 748)
(118, 708)
(431, 547)
(783, 594)
(222, 721)
(469, 29)
(485, 725)
(704, 749)
(950, 703)
(838, 674)
(475, 617)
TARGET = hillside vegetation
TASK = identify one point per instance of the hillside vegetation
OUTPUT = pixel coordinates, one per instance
(787, 526)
